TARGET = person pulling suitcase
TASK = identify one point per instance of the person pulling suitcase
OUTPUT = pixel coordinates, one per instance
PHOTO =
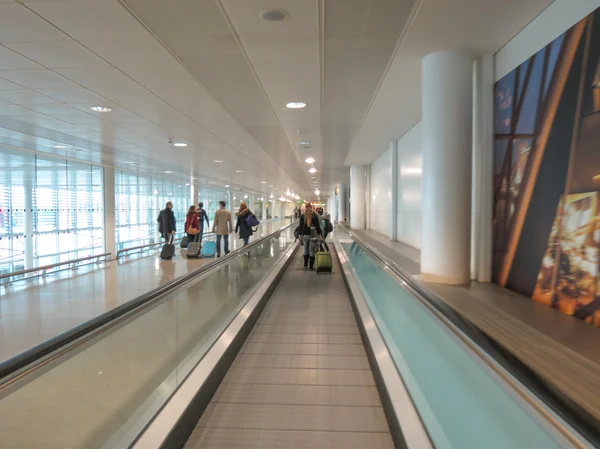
(192, 229)
(167, 226)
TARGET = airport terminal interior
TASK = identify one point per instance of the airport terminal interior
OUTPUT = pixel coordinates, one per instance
(299, 224)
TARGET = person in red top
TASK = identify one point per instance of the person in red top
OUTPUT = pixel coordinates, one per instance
(192, 225)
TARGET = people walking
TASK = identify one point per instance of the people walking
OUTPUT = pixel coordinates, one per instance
(192, 226)
(167, 225)
(222, 226)
(202, 217)
(241, 226)
(327, 226)
(310, 232)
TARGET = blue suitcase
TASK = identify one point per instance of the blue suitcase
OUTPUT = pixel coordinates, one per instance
(209, 249)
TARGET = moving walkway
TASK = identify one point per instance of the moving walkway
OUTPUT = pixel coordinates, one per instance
(254, 351)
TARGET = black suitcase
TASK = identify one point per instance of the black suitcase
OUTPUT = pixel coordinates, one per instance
(168, 249)
(193, 250)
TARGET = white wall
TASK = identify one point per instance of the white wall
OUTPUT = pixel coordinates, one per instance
(409, 187)
(381, 194)
(551, 23)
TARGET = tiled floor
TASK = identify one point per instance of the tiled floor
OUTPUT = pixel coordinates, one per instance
(302, 379)
(32, 312)
(561, 349)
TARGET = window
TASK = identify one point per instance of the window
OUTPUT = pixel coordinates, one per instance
(138, 201)
(211, 198)
(51, 210)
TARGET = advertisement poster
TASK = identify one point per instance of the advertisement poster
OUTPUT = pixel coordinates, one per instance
(547, 174)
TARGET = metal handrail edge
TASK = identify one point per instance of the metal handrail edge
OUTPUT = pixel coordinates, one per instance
(150, 245)
(412, 434)
(243, 315)
(481, 344)
(27, 358)
(48, 267)
(206, 234)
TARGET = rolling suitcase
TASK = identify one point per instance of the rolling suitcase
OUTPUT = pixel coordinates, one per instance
(323, 261)
(193, 250)
(209, 249)
(184, 242)
(168, 249)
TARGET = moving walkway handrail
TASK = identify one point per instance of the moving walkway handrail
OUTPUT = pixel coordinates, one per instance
(498, 359)
(29, 360)
(151, 245)
(45, 268)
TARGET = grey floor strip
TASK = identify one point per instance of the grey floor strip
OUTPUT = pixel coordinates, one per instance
(302, 379)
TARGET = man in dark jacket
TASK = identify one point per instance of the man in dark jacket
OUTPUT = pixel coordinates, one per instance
(203, 216)
(166, 221)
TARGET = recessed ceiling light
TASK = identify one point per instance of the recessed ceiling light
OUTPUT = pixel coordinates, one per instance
(128, 162)
(239, 171)
(276, 15)
(180, 144)
(227, 186)
(305, 144)
(100, 109)
(187, 184)
(310, 160)
(312, 170)
(263, 182)
(295, 105)
(167, 172)
(61, 147)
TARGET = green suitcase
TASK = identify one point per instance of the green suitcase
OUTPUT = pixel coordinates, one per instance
(323, 261)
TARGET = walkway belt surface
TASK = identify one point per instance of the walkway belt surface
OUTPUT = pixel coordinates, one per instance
(302, 378)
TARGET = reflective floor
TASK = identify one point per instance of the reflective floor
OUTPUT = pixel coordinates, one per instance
(34, 311)
(103, 393)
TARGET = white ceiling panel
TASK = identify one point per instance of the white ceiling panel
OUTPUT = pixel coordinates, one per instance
(200, 35)
(25, 97)
(58, 55)
(93, 78)
(145, 53)
(9, 60)
(18, 24)
(287, 59)
(91, 19)
(13, 110)
(7, 85)
(73, 95)
(54, 109)
(36, 79)
(439, 25)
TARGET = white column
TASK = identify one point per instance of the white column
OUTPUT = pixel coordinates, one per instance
(264, 208)
(483, 168)
(28, 190)
(447, 166)
(367, 198)
(357, 197)
(195, 193)
(110, 234)
(394, 180)
(342, 203)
